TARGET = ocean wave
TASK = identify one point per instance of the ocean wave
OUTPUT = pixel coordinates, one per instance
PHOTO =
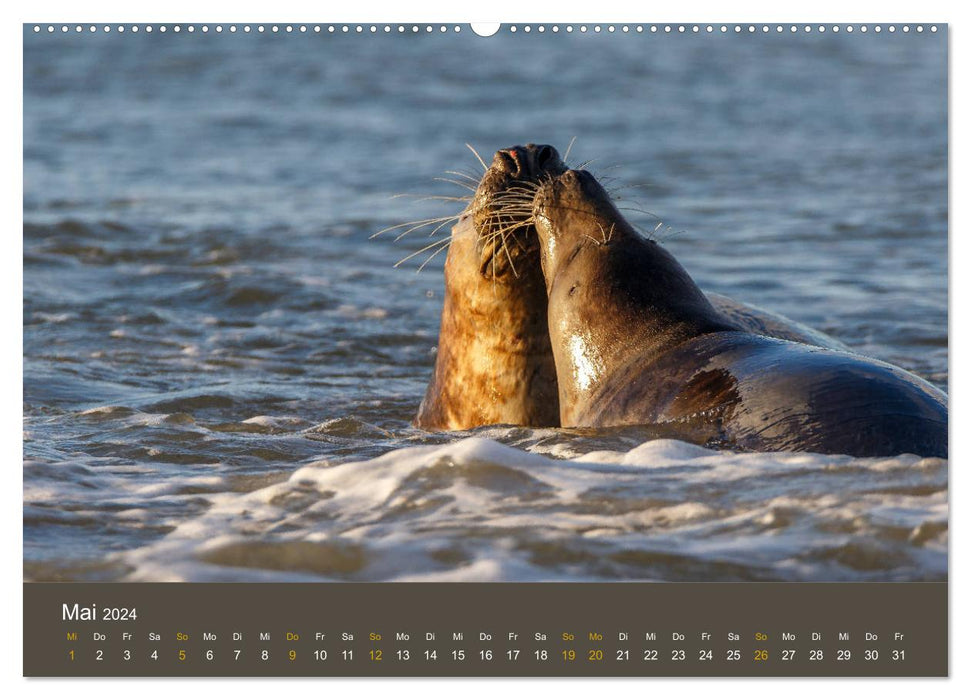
(476, 509)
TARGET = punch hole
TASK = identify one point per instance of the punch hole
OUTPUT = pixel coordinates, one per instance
(484, 29)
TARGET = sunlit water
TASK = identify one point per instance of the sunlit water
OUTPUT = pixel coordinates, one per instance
(221, 368)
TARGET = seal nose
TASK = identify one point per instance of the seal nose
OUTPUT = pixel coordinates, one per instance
(528, 161)
(545, 155)
(511, 160)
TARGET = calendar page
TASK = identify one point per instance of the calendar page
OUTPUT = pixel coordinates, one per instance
(606, 349)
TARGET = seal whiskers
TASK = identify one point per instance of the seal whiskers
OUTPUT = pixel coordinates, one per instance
(476, 153)
(494, 363)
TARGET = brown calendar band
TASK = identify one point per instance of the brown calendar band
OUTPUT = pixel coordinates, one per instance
(479, 629)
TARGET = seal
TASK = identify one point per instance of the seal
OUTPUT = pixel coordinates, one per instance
(635, 341)
(494, 363)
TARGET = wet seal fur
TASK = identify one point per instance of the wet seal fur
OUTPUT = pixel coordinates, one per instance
(636, 341)
(494, 363)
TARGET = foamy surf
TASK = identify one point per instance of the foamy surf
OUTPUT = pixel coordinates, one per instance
(479, 510)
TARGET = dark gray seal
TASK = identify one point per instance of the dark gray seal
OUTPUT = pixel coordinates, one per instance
(636, 342)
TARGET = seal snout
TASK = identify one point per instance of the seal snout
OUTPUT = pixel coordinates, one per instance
(551, 190)
(507, 161)
(529, 161)
(579, 178)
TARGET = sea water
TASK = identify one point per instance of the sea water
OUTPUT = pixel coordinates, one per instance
(220, 368)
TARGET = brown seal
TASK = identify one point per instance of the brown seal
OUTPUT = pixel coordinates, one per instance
(494, 363)
(636, 342)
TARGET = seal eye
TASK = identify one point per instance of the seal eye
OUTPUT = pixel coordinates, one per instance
(574, 288)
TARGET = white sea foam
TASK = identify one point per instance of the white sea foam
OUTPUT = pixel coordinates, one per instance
(476, 509)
